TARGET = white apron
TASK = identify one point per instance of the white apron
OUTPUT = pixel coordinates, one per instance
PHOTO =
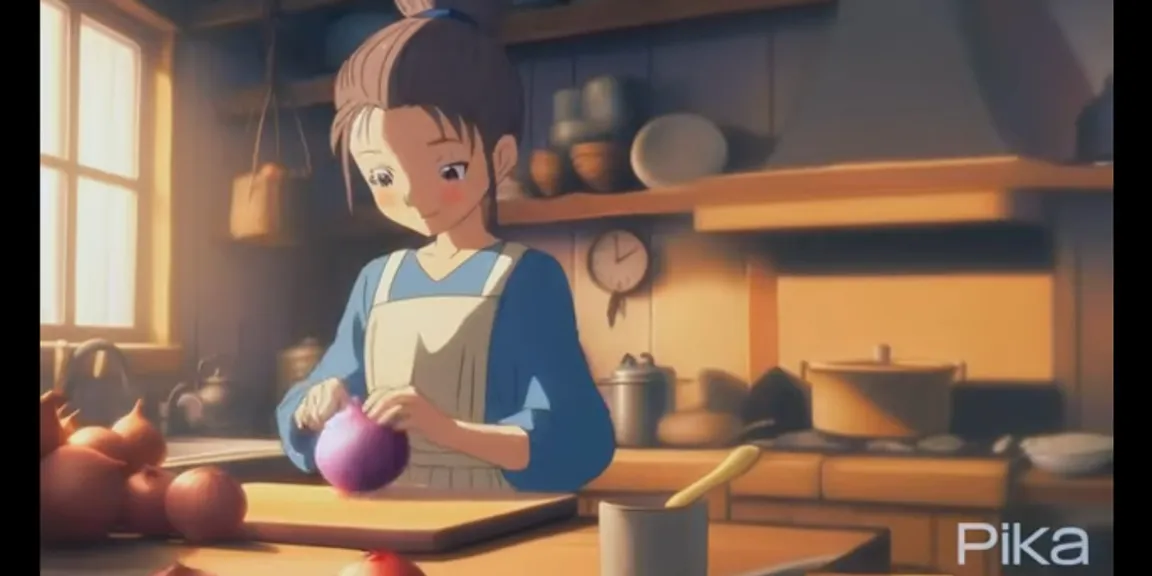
(438, 345)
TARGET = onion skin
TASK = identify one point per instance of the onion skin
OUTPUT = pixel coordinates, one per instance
(69, 424)
(382, 563)
(355, 454)
(50, 434)
(81, 492)
(206, 505)
(144, 509)
(101, 440)
(146, 445)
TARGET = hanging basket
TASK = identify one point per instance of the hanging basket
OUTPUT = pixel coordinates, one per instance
(270, 201)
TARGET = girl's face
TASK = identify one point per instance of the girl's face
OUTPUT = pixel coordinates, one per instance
(423, 175)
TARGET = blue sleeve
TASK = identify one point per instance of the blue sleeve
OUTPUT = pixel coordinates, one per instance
(546, 387)
(342, 360)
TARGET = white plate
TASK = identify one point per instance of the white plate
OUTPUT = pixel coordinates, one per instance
(677, 149)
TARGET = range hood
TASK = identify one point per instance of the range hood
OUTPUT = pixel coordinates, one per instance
(920, 112)
(934, 79)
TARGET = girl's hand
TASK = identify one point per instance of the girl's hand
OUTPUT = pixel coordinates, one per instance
(320, 403)
(406, 409)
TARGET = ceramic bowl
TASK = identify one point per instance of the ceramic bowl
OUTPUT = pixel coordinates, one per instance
(600, 165)
(677, 149)
(1071, 465)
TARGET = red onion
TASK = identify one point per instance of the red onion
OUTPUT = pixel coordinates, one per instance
(355, 454)
(81, 491)
(206, 504)
(143, 512)
(101, 440)
(382, 563)
(145, 443)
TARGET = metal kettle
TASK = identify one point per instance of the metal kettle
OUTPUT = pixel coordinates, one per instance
(205, 403)
(637, 395)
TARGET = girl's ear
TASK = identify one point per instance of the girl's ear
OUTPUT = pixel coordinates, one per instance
(504, 157)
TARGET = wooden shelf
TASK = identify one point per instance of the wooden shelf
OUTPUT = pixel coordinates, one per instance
(520, 27)
(972, 190)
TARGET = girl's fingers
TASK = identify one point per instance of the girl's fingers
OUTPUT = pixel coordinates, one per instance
(390, 416)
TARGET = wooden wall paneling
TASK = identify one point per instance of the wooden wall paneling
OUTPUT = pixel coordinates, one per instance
(763, 318)
(524, 66)
(605, 345)
(1065, 308)
(1097, 320)
(549, 74)
(1084, 301)
(191, 107)
(798, 41)
(621, 55)
(558, 242)
(700, 304)
(999, 324)
(721, 72)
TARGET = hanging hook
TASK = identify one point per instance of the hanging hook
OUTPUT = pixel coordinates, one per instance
(271, 97)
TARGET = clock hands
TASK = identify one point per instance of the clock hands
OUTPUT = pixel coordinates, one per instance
(622, 257)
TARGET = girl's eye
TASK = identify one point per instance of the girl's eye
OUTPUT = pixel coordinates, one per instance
(454, 171)
(380, 177)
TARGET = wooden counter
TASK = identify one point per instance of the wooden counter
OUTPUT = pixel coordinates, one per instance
(930, 482)
(1037, 487)
(567, 550)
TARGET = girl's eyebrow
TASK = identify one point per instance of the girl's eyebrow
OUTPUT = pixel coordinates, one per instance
(444, 140)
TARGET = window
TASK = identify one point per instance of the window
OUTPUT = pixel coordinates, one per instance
(98, 148)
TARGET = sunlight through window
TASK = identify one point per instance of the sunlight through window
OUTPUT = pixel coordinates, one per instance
(89, 171)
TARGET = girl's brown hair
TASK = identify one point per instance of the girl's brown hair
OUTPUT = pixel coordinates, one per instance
(444, 57)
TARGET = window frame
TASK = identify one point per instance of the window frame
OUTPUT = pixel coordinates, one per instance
(154, 318)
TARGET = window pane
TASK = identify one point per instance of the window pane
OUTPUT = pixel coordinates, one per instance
(51, 247)
(53, 35)
(105, 254)
(109, 100)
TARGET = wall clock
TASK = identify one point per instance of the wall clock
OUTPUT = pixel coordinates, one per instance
(618, 262)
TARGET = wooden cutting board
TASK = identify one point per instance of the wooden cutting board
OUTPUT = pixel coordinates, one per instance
(414, 521)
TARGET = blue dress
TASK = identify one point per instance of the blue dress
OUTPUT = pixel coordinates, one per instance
(538, 377)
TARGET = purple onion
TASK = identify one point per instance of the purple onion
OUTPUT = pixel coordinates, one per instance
(355, 454)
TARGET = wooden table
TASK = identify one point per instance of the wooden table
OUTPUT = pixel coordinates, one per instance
(570, 549)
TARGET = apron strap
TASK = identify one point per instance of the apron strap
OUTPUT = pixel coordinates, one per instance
(391, 266)
(510, 254)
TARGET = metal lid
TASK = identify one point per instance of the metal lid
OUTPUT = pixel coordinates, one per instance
(634, 370)
(882, 362)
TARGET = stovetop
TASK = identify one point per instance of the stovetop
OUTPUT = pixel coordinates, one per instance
(939, 446)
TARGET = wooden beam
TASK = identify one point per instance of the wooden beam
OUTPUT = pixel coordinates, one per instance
(526, 25)
(520, 27)
(218, 13)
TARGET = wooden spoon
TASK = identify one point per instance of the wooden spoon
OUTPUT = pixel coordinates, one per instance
(738, 461)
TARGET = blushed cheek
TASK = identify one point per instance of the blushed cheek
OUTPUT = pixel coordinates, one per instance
(452, 194)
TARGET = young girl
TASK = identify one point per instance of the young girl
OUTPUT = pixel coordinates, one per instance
(468, 343)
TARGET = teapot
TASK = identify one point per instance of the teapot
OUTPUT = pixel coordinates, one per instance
(206, 402)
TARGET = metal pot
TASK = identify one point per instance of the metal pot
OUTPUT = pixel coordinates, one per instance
(882, 397)
(637, 397)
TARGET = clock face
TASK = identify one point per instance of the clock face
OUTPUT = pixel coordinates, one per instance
(618, 261)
